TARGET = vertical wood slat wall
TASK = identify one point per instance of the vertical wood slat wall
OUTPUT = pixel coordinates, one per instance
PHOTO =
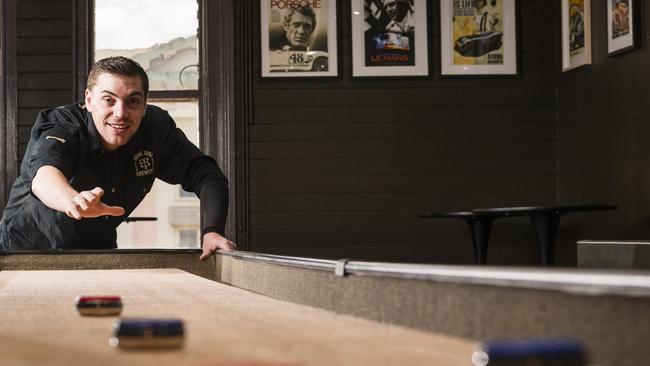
(8, 98)
(44, 49)
(342, 167)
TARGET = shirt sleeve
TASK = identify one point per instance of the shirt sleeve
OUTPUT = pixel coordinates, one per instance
(214, 207)
(54, 147)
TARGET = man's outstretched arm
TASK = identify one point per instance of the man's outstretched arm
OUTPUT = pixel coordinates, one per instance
(52, 188)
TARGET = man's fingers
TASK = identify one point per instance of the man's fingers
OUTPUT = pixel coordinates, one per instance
(213, 242)
(89, 204)
(90, 196)
(206, 253)
(86, 198)
(230, 245)
(73, 213)
(80, 201)
(208, 250)
(225, 245)
(113, 210)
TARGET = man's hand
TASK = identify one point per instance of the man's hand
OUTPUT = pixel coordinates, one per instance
(52, 188)
(88, 204)
(213, 242)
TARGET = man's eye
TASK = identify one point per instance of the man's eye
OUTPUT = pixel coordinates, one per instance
(107, 100)
(135, 101)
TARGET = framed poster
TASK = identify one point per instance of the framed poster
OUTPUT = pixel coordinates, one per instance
(389, 38)
(299, 38)
(478, 37)
(576, 33)
(623, 25)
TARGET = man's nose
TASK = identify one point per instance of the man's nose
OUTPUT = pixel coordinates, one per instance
(119, 111)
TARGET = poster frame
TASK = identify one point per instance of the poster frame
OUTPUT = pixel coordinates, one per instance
(569, 61)
(630, 41)
(420, 67)
(298, 63)
(509, 67)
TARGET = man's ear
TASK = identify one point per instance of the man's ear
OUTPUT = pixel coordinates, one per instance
(88, 98)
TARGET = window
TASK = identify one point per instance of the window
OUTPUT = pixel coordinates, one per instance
(188, 238)
(162, 35)
(184, 194)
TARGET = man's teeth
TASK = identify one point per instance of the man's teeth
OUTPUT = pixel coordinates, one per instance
(118, 126)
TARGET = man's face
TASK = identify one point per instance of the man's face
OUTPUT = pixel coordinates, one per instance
(299, 31)
(480, 3)
(396, 9)
(117, 104)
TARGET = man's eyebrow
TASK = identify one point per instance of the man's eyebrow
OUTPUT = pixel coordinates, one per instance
(135, 93)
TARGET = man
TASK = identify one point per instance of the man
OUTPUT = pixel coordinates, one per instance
(400, 13)
(87, 167)
(299, 24)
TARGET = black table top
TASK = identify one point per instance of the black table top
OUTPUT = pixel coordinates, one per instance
(442, 215)
(519, 211)
(540, 210)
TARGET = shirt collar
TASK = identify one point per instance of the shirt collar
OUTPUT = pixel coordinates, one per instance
(93, 135)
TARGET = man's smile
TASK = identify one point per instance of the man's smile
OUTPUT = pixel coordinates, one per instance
(118, 126)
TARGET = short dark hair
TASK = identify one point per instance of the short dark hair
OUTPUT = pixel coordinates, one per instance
(305, 10)
(117, 65)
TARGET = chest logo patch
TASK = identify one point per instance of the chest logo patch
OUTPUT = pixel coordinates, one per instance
(143, 162)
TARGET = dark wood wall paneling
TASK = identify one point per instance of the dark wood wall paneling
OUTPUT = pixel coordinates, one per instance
(342, 167)
(8, 98)
(604, 115)
(244, 44)
(44, 48)
(217, 101)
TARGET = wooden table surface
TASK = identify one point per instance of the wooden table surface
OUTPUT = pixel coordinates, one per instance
(39, 325)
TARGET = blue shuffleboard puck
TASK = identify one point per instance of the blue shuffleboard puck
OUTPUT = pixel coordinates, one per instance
(530, 351)
(147, 333)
